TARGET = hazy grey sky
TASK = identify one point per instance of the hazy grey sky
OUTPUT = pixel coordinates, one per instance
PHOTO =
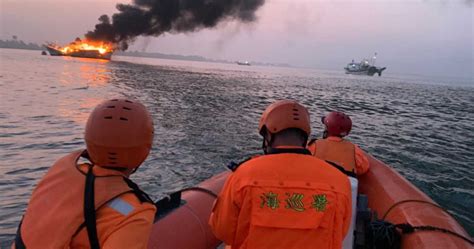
(410, 36)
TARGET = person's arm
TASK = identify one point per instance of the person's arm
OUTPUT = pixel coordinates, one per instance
(133, 231)
(362, 162)
(224, 216)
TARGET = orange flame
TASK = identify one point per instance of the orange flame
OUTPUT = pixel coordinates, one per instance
(79, 45)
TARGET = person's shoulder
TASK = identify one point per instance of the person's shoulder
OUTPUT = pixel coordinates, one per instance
(325, 167)
(125, 210)
(312, 141)
(347, 140)
(234, 166)
(357, 147)
(128, 204)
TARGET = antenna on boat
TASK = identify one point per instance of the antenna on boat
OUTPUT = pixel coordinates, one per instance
(374, 58)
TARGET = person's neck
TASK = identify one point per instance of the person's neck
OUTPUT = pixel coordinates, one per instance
(279, 143)
(335, 138)
(124, 171)
(286, 142)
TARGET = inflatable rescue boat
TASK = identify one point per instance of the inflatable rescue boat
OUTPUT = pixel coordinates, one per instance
(384, 197)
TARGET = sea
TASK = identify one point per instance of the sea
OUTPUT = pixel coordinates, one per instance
(206, 115)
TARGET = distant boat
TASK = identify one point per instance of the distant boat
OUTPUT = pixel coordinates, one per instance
(243, 63)
(364, 67)
(44, 53)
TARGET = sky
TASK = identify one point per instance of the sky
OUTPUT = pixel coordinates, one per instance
(421, 37)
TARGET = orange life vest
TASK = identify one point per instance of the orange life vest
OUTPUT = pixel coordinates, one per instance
(283, 200)
(340, 152)
(55, 213)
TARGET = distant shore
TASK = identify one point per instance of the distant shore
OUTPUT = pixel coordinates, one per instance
(19, 44)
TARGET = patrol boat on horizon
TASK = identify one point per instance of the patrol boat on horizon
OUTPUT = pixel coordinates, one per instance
(364, 67)
(243, 63)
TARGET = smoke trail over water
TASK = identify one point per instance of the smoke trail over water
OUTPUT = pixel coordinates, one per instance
(155, 17)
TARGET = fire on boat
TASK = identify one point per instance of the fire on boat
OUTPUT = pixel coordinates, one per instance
(84, 49)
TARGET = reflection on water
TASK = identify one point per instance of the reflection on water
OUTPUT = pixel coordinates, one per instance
(91, 74)
(206, 114)
(95, 74)
(77, 110)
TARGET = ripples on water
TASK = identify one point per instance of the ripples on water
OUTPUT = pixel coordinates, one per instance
(206, 115)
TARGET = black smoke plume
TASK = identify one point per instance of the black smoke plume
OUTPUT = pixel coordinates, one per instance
(155, 17)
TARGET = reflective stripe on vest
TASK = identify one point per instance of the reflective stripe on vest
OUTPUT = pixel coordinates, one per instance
(340, 152)
(55, 211)
(121, 206)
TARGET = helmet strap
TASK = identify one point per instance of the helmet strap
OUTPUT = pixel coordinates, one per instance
(264, 146)
(135, 170)
(305, 142)
(266, 143)
(325, 133)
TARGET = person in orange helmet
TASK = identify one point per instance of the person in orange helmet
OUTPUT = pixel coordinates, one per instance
(333, 147)
(285, 198)
(86, 199)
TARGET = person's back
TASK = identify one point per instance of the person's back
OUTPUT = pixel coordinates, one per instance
(93, 204)
(288, 201)
(333, 147)
(286, 198)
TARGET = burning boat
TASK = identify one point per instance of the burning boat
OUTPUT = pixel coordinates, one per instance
(83, 49)
(53, 49)
(94, 54)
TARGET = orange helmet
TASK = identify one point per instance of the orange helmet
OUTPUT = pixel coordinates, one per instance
(284, 114)
(337, 124)
(119, 133)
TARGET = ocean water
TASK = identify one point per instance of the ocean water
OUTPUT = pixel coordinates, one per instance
(206, 115)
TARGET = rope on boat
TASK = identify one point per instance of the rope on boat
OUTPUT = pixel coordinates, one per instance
(200, 189)
(407, 229)
(412, 200)
(385, 232)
